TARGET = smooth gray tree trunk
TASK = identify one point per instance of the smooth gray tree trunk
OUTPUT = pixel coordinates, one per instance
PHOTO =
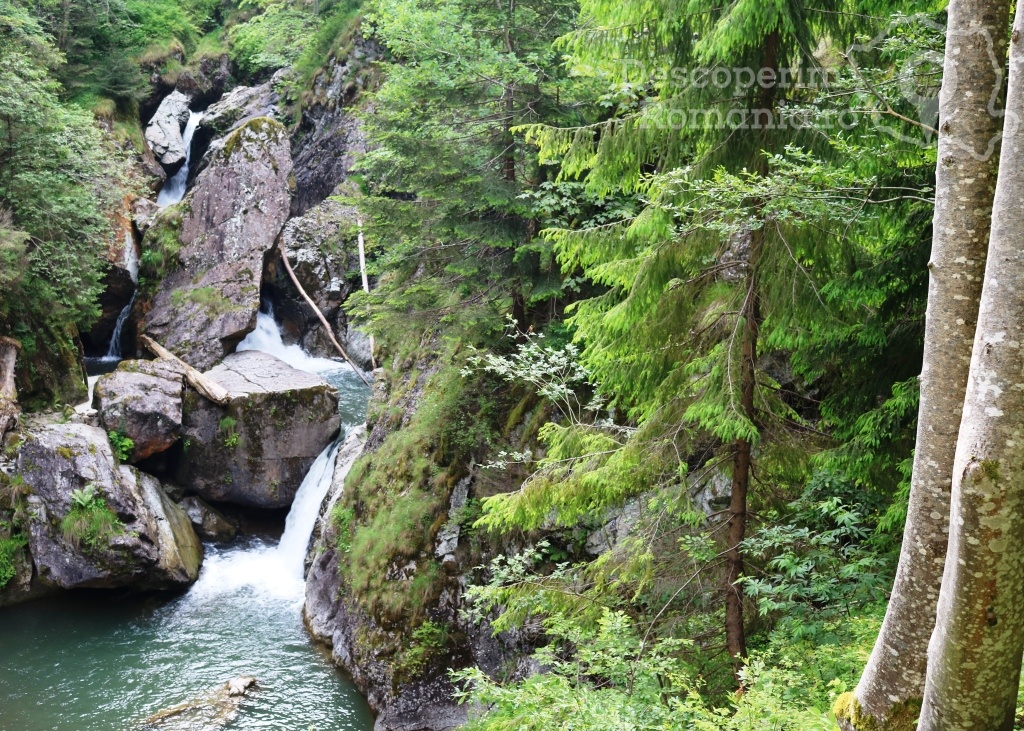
(890, 689)
(975, 654)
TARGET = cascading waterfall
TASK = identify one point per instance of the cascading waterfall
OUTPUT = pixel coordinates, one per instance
(114, 351)
(268, 339)
(174, 189)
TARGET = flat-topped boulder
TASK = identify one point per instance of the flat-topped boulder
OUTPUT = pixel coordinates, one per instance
(257, 449)
(207, 303)
(95, 523)
(142, 400)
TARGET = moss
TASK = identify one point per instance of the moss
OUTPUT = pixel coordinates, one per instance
(254, 129)
(90, 524)
(902, 716)
(160, 247)
(208, 298)
(990, 468)
(66, 452)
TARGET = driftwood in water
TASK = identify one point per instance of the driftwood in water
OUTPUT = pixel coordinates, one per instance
(319, 314)
(9, 411)
(212, 710)
(205, 386)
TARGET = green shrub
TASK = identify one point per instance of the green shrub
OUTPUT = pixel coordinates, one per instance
(227, 428)
(9, 550)
(428, 642)
(122, 445)
(90, 523)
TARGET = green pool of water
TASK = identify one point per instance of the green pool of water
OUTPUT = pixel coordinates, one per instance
(102, 662)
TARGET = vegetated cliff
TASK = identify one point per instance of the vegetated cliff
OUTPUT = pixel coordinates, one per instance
(395, 548)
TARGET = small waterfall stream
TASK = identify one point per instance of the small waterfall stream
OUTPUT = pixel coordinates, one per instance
(174, 189)
(114, 350)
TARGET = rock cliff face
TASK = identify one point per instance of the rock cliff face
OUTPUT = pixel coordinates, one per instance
(389, 555)
(230, 221)
(322, 250)
(94, 523)
(256, 450)
(327, 138)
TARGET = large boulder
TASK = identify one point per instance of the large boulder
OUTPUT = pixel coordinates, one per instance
(237, 107)
(95, 523)
(229, 223)
(256, 450)
(142, 400)
(209, 523)
(164, 131)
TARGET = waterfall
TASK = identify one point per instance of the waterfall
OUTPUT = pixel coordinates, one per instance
(174, 189)
(267, 338)
(114, 349)
(298, 526)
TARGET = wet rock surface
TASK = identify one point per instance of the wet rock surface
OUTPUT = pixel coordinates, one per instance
(94, 523)
(216, 709)
(142, 400)
(229, 223)
(328, 138)
(209, 523)
(256, 450)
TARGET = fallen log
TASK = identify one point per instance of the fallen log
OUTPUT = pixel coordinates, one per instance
(320, 315)
(9, 410)
(205, 386)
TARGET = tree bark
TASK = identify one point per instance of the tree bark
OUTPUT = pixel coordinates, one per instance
(735, 634)
(892, 685)
(9, 411)
(975, 653)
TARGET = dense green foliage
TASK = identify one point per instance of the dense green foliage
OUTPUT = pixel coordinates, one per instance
(544, 179)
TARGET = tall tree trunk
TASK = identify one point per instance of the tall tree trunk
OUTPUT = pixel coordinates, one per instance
(892, 685)
(761, 118)
(9, 410)
(735, 635)
(975, 653)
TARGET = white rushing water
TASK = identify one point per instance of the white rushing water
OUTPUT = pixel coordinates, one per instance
(267, 338)
(114, 351)
(265, 571)
(174, 189)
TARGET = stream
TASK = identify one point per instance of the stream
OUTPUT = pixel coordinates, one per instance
(97, 661)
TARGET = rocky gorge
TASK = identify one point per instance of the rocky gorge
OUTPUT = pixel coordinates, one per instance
(122, 492)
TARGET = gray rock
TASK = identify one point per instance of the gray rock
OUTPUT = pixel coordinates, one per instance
(209, 523)
(328, 139)
(144, 213)
(240, 105)
(322, 248)
(151, 545)
(142, 400)
(256, 450)
(213, 710)
(230, 221)
(618, 524)
(164, 131)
